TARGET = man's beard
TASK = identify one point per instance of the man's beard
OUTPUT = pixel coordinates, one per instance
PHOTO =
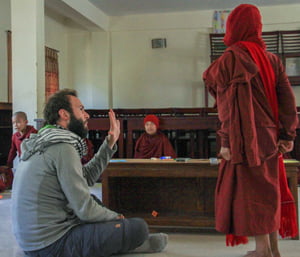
(77, 126)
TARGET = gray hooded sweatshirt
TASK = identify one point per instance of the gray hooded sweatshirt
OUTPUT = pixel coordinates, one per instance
(51, 192)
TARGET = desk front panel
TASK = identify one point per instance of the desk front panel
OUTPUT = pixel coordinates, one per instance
(181, 193)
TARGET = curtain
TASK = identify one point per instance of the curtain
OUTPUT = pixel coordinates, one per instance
(51, 75)
(219, 21)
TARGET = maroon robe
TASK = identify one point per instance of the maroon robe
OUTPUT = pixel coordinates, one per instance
(90, 152)
(158, 145)
(247, 192)
(16, 141)
(6, 178)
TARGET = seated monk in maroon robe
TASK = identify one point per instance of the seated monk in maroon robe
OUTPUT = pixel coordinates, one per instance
(153, 143)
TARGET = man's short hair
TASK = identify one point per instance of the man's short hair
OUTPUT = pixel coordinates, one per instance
(59, 100)
(21, 115)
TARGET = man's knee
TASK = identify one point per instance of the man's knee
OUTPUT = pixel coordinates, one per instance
(138, 231)
(140, 226)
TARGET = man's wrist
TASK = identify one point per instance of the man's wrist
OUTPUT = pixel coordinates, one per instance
(110, 142)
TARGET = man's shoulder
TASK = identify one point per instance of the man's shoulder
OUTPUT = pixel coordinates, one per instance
(61, 151)
(61, 147)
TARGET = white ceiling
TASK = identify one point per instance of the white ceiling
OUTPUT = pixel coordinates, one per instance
(129, 7)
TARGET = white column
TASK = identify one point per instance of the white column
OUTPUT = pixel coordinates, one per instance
(28, 58)
(4, 26)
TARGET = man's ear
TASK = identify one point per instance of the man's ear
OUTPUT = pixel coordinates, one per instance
(64, 114)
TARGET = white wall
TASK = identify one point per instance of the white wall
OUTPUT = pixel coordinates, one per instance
(88, 68)
(99, 72)
(56, 37)
(165, 77)
(4, 26)
(82, 59)
(140, 76)
(145, 77)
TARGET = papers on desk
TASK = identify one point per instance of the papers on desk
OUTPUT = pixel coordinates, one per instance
(211, 161)
(290, 161)
(182, 159)
(117, 160)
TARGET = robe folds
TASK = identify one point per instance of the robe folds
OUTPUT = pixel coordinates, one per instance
(248, 192)
(158, 145)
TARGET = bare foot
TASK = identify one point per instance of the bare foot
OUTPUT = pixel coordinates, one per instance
(275, 254)
(256, 254)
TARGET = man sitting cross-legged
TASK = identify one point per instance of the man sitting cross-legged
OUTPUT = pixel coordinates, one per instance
(52, 209)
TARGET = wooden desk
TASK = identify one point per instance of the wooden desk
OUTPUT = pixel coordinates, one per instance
(181, 192)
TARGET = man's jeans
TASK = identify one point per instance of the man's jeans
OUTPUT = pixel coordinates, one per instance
(97, 239)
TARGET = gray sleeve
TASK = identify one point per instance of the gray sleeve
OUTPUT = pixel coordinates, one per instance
(93, 169)
(75, 187)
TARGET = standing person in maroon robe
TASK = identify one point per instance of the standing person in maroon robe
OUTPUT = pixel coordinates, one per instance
(153, 143)
(257, 110)
(20, 124)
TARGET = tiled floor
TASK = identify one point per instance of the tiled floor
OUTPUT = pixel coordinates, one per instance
(180, 244)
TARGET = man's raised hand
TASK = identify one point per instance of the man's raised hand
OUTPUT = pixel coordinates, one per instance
(114, 130)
